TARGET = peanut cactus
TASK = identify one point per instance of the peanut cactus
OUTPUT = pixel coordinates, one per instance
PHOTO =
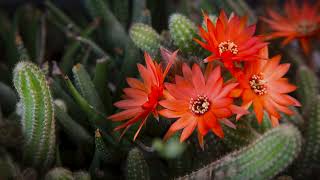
(145, 37)
(182, 31)
(137, 167)
(100, 53)
(38, 123)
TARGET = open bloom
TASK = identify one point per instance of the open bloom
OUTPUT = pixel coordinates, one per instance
(263, 86)
(199, 101)
(141, 99)
(299, 22)
(230, 40)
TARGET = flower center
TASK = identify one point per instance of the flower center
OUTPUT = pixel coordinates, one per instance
(228, 46)
(200, 105)
(258, 84)
(306, 27)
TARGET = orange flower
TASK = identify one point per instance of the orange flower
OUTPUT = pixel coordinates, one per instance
(298, 23)
(199, 101)
(141, 99)
(230, 40)
(263, 86)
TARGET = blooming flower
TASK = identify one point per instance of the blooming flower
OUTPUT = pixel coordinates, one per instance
(199, 101)
(263, 86)
(298, 23)
(230, 40)
(141, 99)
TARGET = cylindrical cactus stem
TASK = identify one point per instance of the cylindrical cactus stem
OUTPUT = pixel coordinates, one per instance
(295, 119)
(74, 130)
(263, 159)
(311, 150)
(137, 167)
(239, 137)
(59, 173)
(145, 37)
(101, 150)
(182, 31)
(86, 87)
(38, 123)
(307, 83)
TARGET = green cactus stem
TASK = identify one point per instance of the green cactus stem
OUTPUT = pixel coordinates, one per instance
(86, 87)
(307, 84)
(263, 159)
(182, 31)
(311, 150)
(137, 167)
(145, 37)
(75, 131)
(239, 137)
(38, 123)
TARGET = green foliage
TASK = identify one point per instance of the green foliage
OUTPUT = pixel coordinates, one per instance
(145, 37)
(262, 159)
(38, 123)
(137, 167)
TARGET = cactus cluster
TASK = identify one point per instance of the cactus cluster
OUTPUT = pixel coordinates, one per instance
(54, 115)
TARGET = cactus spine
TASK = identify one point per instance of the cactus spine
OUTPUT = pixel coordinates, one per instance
(145, 37)
(137, 167)
(38, 124)
(263, 159)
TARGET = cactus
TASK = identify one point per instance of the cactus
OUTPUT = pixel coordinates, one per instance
(75, 131)
(38, 123)
(59, 173)
(145, 37)
(182, 31)
(307, 83)
(137, 167)
(263, 159)
(239, 137)
(86, 87)
(311, 150)
(240, 7)
(101, 150)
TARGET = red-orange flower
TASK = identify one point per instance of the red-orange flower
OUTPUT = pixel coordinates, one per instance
(263, 86)
(230, 40)
(141, 99)
(300, 22)
(199, 101)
